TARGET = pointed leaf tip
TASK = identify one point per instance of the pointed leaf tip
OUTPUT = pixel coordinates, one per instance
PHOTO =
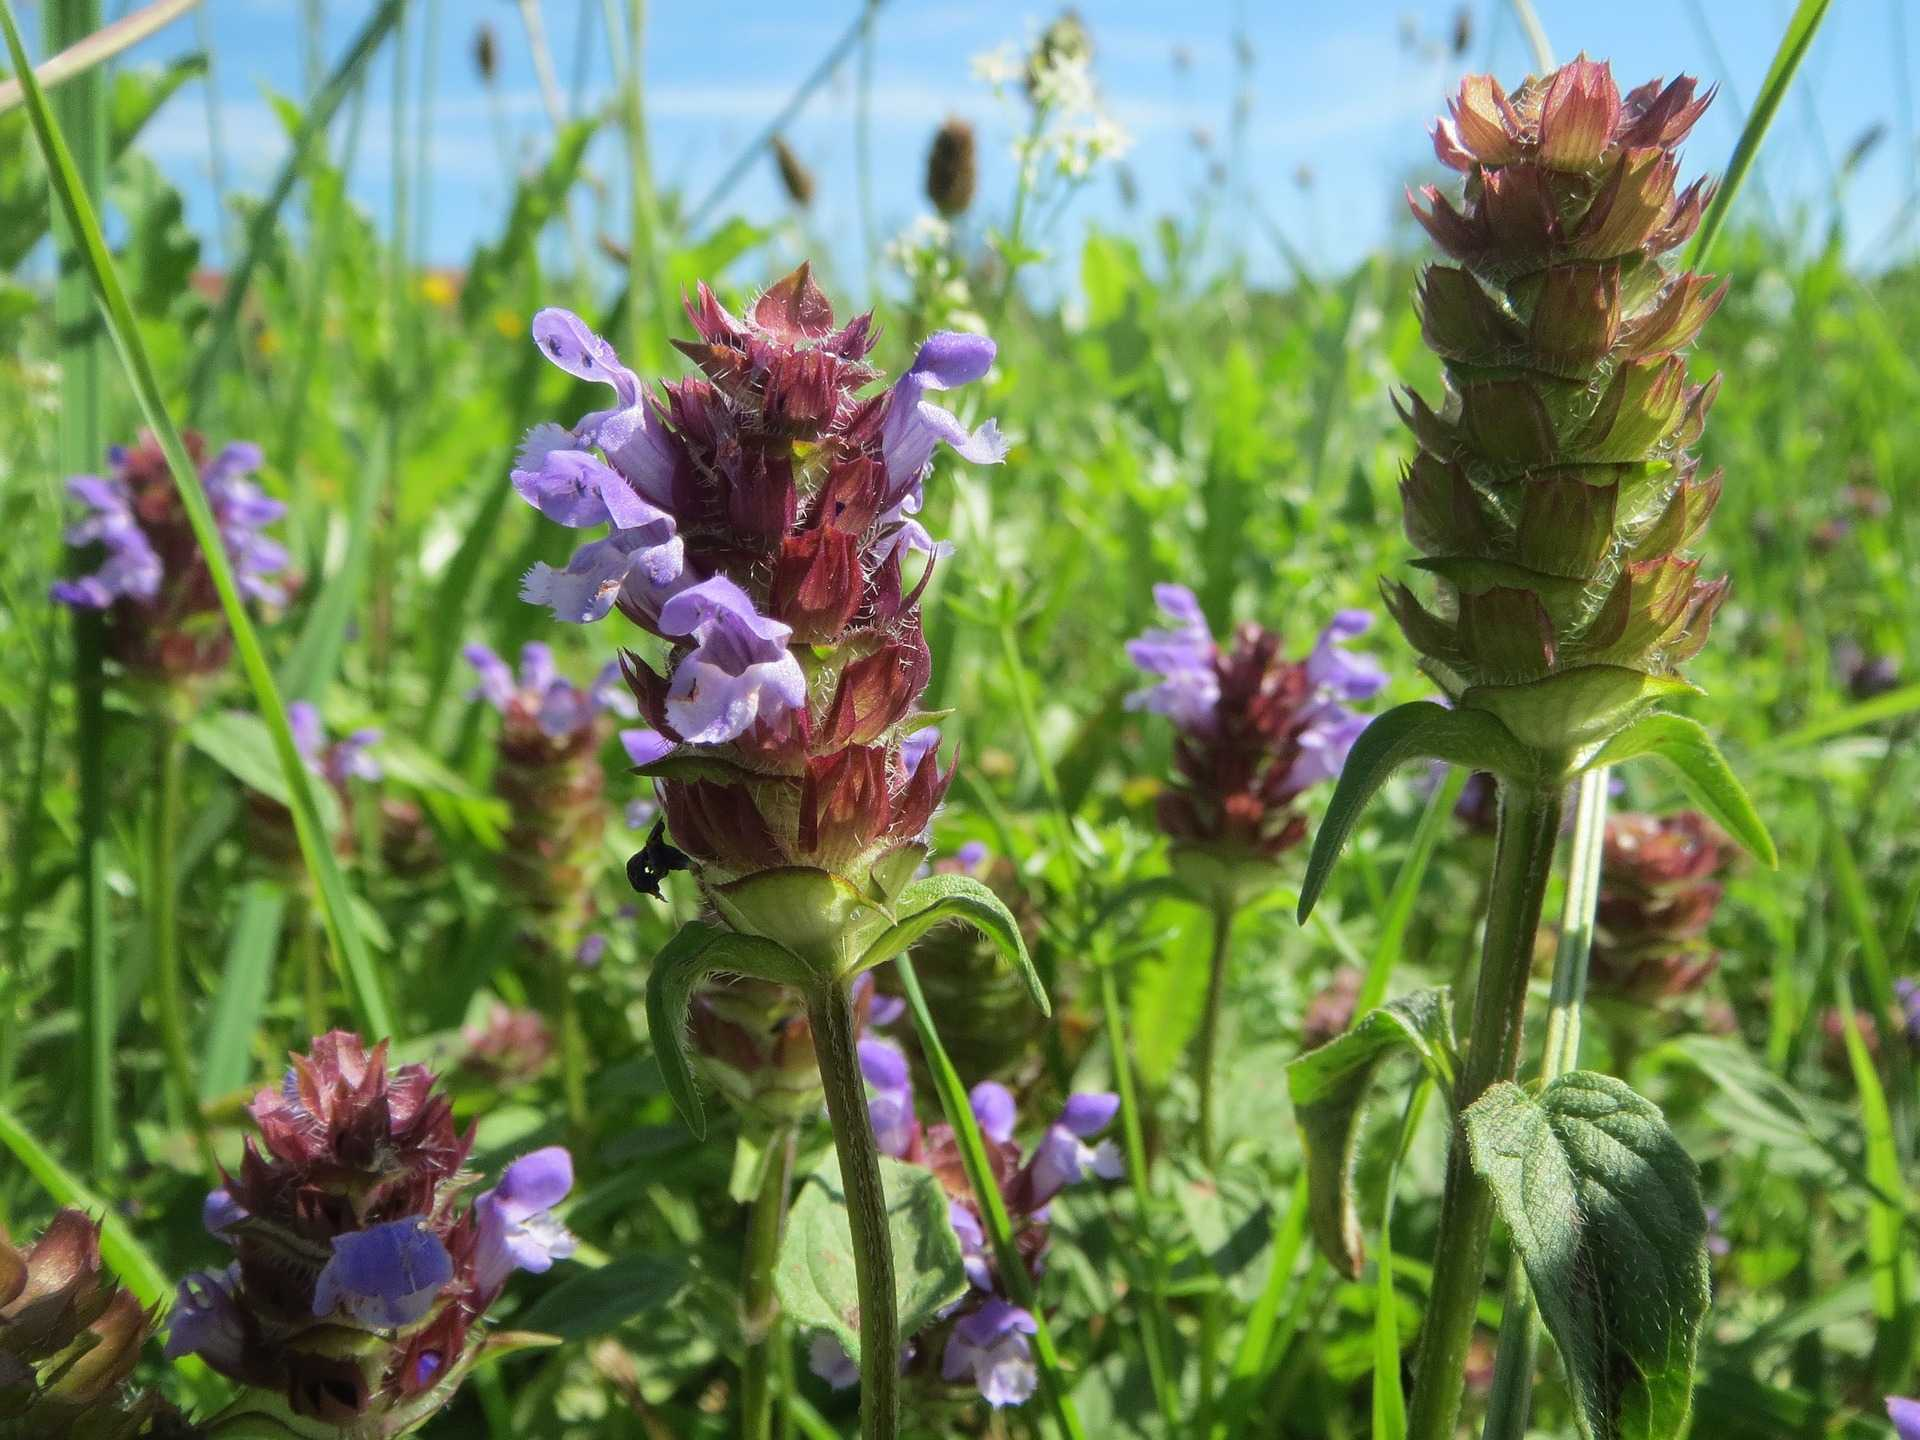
(1421, 730)
(1687, 750)
(928, 902)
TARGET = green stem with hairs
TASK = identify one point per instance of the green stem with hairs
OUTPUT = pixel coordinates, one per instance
(163, 933)
(1523, 864)
(1511, 1401)
(759, 1308)
(834, 1040)
(573, 1040)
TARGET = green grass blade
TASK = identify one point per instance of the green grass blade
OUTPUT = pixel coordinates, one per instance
(245, 980)
(1389, 1399)
(1406, 889)
(1891, 1266)
(124, 1255)
(335, 903)
(83, 365)
(1773, 91)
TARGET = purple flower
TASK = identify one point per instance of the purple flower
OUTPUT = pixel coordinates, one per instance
(206, 1321)
(336, 763)
(990, 1348)
(917, 746)
(1907, 993)
(221, 1212)
(994, 1108)
(972, 855)
(1183, 658)
(828, 1358)
(541, 694)
(1325, 743)
(131, 569)
(556, 474)
(517, 1228)
(643, 747)
(387, 1275)
(973, 1244)
(1905, 1415)
(590, 952)
(1063, 1156)
(640, 811)
(241, 509)
(739, 669)
(914, 427)
(890, 1109)
(1334, 671)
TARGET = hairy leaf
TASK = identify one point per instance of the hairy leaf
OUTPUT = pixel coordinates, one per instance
(940, 898)
(1605, 1212)
(815, 1274)
(1686, 748)
(1419, 731)
(1330, 1086)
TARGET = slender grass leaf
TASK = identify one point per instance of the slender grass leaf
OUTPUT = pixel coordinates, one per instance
(246, 978)
(1604, 1209)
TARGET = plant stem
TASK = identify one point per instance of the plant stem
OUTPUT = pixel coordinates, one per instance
(1206, 1062)
(163, 933)
(988, 1200)
(1207, 1054)
(1523, 863)
(1511, 1400)
(1153, 1315)
(831, 1016)
(759, 1309)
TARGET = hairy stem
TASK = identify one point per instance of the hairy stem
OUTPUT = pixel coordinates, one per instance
(573, 1040)
(831, 1016)
(759, 1309)
(1523, 863)
(1511, 1401)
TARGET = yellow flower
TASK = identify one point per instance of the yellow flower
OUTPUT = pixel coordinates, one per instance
(508, 323)
(438, 290)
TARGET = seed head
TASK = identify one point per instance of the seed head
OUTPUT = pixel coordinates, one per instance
(951, 172)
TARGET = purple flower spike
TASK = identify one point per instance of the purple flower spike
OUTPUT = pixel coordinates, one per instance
(517, 1230)
(993, 1107)
(1905, 1415)
(206, 1322)
(1183, 658)
(828, 1358)
(1338, 674)
(739, 669)
(387, 1275)
(131, 569)
(990, 1348)
(1325, 743)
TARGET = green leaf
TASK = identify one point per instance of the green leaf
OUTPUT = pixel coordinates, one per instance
(1329, 1087)
(814, 1276)
(1604, 1208)
(1419, 731)
(939, 898)
(697, 951)
(242, 993)
(1696, 762)
(593, 1302)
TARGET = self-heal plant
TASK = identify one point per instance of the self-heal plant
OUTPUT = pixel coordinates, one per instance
(763, 526)
(547, 771)
(355, 1302)
(1553, 500)
(1254, 731)
(164, 622)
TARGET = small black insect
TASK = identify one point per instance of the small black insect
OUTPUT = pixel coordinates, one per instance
(654, 861)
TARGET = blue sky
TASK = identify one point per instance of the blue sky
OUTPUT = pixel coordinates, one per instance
(1342, 92)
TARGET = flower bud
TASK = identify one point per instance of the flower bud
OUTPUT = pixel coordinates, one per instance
(952, 168)
(795, 177)
(1659, 888)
